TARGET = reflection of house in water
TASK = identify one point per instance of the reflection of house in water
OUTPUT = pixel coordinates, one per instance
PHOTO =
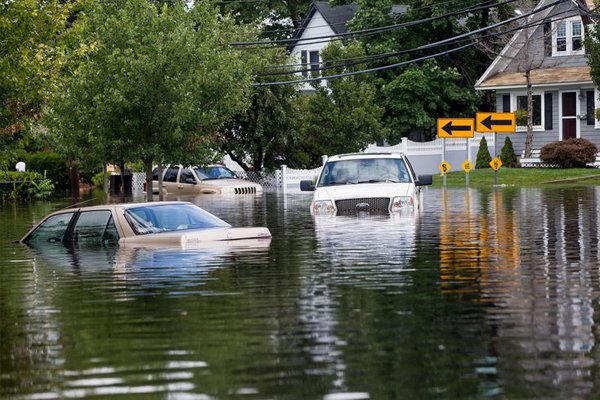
(533, 255)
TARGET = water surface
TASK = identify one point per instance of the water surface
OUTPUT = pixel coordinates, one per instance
(485, 294)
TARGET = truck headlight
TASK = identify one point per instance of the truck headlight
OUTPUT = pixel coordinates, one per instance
(402, 203)
(323, 207)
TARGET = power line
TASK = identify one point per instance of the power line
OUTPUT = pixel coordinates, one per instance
(355, 19)
(430, 45)
(369, 58)
(371, 31)
(367, 70)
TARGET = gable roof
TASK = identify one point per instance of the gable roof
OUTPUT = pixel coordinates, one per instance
(336, 17)
(496, 75)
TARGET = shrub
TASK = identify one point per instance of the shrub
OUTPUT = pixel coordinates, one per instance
(483, 155)
(507, 154)
(53, 165)
(570, 153)
(24, 186)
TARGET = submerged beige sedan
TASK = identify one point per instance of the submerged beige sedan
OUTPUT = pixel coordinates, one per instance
(172, 223)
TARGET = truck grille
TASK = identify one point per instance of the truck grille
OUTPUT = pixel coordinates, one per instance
(371, 205)
(245, 190)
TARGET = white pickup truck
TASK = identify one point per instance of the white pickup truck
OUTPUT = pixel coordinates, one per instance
(366, 183)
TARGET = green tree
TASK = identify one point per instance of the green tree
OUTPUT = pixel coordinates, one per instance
(342, 116)
(33, 36)
(257, 137)
(415, 95)
(277, 19)
(507, 154)
(483, 155)
(158, 85)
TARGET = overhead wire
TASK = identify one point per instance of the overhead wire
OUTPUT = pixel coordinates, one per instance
(427, 46)
(370, 31)
(376, 57)
(416, 9)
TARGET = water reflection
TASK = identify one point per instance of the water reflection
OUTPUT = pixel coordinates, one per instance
(485, 294)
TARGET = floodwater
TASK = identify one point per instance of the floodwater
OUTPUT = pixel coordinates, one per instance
(485, 294)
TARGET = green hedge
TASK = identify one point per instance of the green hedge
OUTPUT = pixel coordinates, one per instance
(24, 186)
(53, 165)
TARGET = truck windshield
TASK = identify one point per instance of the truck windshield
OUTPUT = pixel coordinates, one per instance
(370, 170)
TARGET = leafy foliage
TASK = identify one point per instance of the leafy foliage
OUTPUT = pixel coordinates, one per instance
(24, 186)
(54, 166)
(483, 155)
(341, 117)
(160, 81)
(507, 154)
(32, 36)
(570, 153)
(257, 137)
(415, 95)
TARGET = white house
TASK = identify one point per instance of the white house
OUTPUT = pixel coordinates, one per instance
(314, 34)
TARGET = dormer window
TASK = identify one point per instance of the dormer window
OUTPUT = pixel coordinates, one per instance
(568, 37)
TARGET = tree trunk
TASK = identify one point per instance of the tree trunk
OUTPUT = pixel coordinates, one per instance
(148, 169)
(529, 135)
(74, 175)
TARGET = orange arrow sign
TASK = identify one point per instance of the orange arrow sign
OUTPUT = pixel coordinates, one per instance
(455, 127)
(495, 122)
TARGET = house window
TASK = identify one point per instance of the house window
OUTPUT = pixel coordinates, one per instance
(304, 62)
(314, 63)
(537, 109)
(568, 37)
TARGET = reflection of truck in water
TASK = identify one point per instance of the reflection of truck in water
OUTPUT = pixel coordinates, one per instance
(373, 183)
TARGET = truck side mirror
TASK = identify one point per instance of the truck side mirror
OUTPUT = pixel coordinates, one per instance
(424, 180)
(307, 186)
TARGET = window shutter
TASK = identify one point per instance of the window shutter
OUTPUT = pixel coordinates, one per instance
(548, 111)
(548, 39)
(590, 107)
(506, 102)
(304, 62)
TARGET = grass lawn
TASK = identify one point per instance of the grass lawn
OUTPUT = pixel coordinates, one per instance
(521, 177)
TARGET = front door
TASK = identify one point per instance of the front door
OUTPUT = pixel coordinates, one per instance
(569, 115)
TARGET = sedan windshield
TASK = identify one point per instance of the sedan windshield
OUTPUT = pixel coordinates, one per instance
(372, 170)
(218, 172)
(171, 217)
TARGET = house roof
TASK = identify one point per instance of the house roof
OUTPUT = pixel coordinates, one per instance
(497, 77)
(539, 77)
(336, 17)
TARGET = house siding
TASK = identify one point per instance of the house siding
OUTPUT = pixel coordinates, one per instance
(533, 51)
(317, 27)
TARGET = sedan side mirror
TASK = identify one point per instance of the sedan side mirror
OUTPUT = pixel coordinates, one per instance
(307, 186)
(424, 180)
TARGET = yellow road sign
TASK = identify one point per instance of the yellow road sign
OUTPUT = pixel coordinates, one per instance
(495, 122)
(467, 166)
(444, 167)
(495, 163)
(455, 127)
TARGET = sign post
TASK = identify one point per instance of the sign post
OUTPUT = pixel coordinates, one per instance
(467, 166)
(497, 123)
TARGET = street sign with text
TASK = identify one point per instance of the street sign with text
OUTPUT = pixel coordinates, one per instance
(495, 122)
(455, 128)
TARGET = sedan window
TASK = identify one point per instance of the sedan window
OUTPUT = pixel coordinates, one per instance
(95, 227)
(52, 230)
(165, 218)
